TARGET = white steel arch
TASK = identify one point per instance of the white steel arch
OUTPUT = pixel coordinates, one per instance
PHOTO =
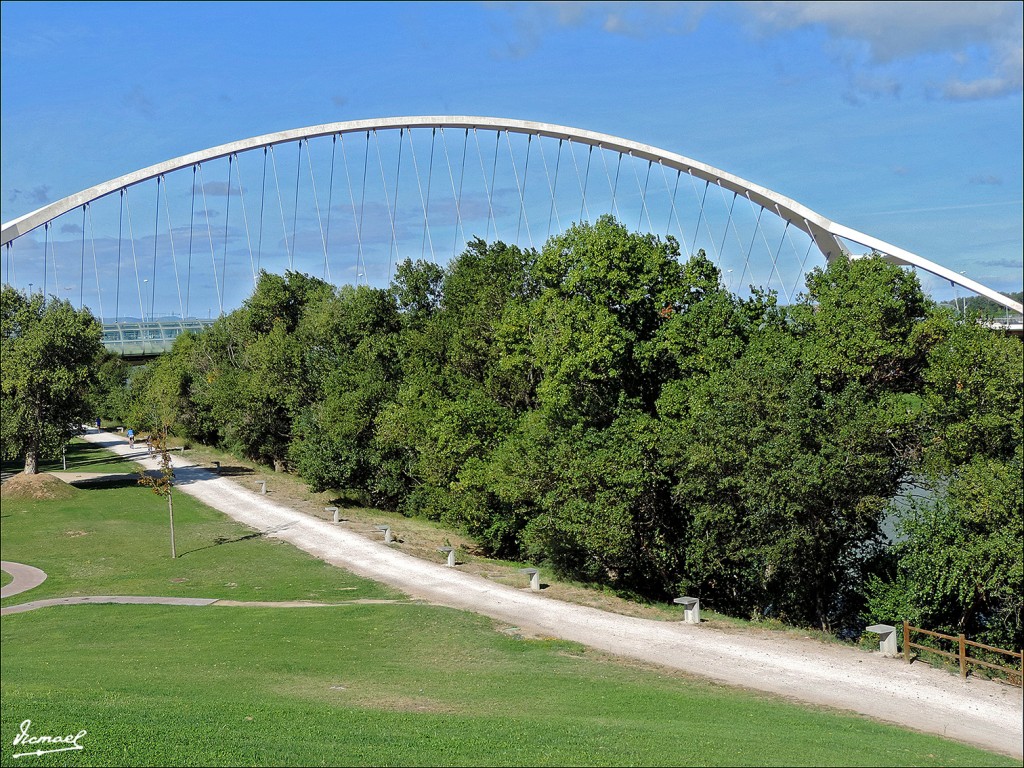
(823, 231)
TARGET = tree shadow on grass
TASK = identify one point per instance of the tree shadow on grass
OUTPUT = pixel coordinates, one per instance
(105, 484)
(220, 541)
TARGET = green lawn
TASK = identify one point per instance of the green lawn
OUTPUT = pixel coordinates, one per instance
(81, 457)
(116, 541)
(394, 684)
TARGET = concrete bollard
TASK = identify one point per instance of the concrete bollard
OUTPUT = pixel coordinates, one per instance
(451, 555)
(886, 638)
(691, 609)
(334, 511)
(263, 486)
(534, 575)
(387, 533)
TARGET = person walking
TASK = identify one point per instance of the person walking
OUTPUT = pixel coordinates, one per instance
(131, 437)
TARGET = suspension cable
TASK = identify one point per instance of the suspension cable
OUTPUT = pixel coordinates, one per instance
(519, 189)
(522, 194)
(156, 240)
(280, 206)
(387, 198)
(430, 179)
(423, 202)
(245, 219)
(209, 235)
(362, 199)
(174, 259)
(643, 196)
(316, 205)
(227, 220)
(295, 205)
(490, 193)
(458, 200)
(263, 197)
(672, 210)
(95, 261)
(191, 233)
(46, 256)
(330, 196)
(135, 260)
(746, 259)
(355, 217)
(553, 209)
(81, 283)
(117, 293)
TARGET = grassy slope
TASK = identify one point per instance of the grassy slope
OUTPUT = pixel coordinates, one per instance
(393, 684)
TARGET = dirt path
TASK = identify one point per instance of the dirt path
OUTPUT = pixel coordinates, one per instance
(978, 712)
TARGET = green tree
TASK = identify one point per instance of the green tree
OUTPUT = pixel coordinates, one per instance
(958, 561)
(163, 483)
(48, 354)
(956, 565)
(110, 393)
(351, 360)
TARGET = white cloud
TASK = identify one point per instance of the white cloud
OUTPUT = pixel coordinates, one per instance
(976, 45)
(983, 40)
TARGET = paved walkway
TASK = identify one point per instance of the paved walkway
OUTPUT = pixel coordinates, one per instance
(917, 696)
(24, 578)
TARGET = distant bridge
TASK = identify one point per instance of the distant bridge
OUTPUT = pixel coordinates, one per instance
(348, 201)
(136, 340)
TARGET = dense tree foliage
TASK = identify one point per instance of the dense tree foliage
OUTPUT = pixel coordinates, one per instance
(608, 408)
(958, 564)
(48, 353)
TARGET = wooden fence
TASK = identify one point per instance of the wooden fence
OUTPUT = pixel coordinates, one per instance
(962, 657)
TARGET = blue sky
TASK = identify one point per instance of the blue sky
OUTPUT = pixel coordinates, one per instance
(902, 120)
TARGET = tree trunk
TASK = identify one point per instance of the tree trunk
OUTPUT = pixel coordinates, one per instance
(170, 510)
(32, 457)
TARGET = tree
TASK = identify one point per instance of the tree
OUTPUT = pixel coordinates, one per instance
(163, 485)
(110, 395)
(48, 353)
(957, 565)
(958, 561)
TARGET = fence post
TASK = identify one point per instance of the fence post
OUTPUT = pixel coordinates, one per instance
(963, 658)
(906, 640)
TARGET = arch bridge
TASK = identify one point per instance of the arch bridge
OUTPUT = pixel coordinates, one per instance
(347, 201)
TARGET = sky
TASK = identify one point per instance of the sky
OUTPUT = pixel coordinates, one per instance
(903, 120)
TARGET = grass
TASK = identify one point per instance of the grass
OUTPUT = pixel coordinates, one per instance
(396, 684)
(393, 685)
(116, 541)
(81, 457)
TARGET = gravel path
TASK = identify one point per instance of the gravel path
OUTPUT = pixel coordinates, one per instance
(984, 713)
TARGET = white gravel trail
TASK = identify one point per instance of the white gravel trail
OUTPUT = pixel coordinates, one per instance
(980, 712)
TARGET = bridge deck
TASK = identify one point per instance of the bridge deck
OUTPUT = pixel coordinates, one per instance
(145, 339)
